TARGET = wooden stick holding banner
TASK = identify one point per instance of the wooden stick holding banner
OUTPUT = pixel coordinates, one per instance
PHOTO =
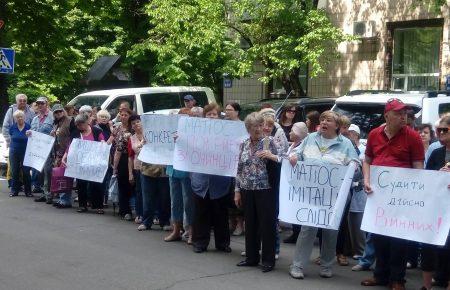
(409, 204)
(314, 194)
(158, 133)
(39, 146)
(87, 160)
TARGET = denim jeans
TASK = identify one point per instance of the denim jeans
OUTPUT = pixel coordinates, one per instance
(65, 198)
(368, 258)
(155, 197)
(16, 163)
(181, 200)
(36, 179)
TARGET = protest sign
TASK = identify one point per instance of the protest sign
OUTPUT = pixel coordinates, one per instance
(87, 160)
(158, 133)
(208, 145)
(409, 204)
(314, 194)
(39, 146)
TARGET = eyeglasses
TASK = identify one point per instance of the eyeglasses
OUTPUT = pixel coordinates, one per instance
(442, 130)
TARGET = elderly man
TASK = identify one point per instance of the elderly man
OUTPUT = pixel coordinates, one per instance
(21, 104)
(42, 123)
(396, 145)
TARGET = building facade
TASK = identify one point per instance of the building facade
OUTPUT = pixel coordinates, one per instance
(403, 46)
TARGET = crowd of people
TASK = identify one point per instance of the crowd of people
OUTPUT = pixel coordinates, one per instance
(190, 204)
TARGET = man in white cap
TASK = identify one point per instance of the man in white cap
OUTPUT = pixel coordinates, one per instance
(42, 123)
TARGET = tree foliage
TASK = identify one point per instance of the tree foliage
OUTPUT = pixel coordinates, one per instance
(199, 40)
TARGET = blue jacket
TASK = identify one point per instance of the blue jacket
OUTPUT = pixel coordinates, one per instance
(217, 186)
(9, 120)
(45, 127)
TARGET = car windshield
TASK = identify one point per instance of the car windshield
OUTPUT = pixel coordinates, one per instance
(366, 116)
(91, 100)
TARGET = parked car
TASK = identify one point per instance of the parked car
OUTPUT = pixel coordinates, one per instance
(144, 100)
(366, 108)
(304, 106)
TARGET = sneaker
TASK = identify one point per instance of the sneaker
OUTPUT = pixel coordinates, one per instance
(138, 220)
(296, 272)
(358, 268)
(127, 217)
(326, 273)
(142, 227)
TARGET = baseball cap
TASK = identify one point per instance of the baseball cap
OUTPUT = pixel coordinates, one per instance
(394, 105)
(188, 98)
(42, 99)
(57, 107)
(354, 128)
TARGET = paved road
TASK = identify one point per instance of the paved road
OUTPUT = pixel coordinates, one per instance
(46, 248)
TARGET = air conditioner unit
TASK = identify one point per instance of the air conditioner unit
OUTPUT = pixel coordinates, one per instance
(365, 29)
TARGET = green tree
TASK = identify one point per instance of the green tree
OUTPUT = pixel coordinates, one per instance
(197, 41)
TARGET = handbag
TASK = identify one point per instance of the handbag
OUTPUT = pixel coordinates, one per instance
(60, 183)
(113, 190)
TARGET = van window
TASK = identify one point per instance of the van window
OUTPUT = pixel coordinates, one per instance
(113, 107)
(200, 97)
(444, 108)
(160, 101)
(367, 117)
(93, 101)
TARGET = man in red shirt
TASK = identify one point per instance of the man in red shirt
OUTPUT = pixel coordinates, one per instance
(396, 145)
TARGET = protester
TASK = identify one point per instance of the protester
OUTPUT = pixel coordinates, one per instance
(104, 123)
(312, 121)
(396, 145)
(211, 204)
(121, 134)
(70, 111)
(189, 101)
(181, 199)
(86, 189)
(329, 147)
(427, 135)
(197, 112)
(298, 133)
(135, 144)
(287, 119)
(279, 138)
(439, 160)
(86, 109)
(254, 192)
(42, 123)
(17, 146)
(232, 111)
(62, 133)
(8, 121)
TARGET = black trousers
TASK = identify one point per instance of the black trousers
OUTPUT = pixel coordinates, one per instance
(343, 234)
(437, 259)
(260, 225)
(391, 255)
(210, 213)
(123, 183)
(94, 190)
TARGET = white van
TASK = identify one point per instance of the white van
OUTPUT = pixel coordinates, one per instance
(144, 100)
(366, 108)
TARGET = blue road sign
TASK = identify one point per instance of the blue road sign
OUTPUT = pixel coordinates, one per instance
(6, 60)
(227, 83)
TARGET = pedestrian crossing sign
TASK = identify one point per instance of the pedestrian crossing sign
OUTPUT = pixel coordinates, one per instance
(6, 60)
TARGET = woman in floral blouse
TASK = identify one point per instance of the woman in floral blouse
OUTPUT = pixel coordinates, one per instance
(121, 135)
(253, 190)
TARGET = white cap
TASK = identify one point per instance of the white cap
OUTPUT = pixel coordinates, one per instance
(355, 128)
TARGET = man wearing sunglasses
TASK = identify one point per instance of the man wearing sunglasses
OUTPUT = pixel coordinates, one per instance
(42, 123)
(189, 101)
(396, 145)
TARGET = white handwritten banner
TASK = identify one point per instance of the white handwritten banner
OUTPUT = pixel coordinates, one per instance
(39, 146)
(314, 194)
(158, 132)
(87, 160)
(208, 145)
(409, 204)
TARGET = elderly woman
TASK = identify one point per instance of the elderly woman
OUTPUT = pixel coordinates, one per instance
(254, 191)
(211, 204)
(325, 146)
(121, 134)
(61, 132)
(279, 138)
(17, 147)
(87, 132)
(439, 160)
(298, 132)
(104, 122)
